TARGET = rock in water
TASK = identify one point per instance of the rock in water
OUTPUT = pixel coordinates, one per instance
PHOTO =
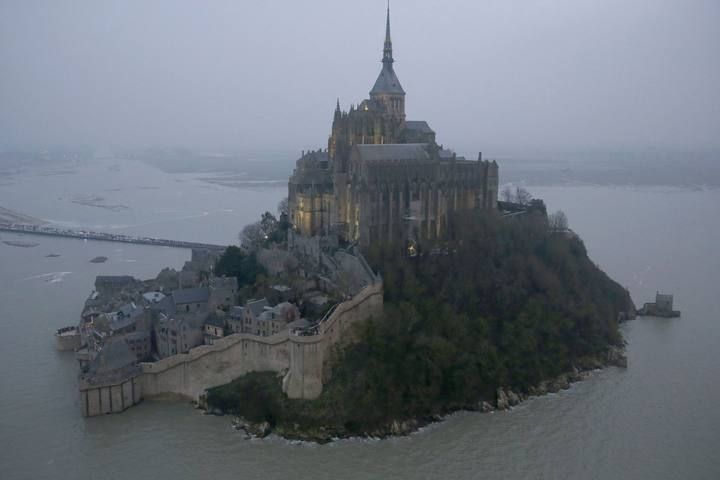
(502, 402)
(260, 430)
(485, 407)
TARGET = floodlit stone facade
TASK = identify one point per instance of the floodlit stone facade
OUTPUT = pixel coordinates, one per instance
(385, 178)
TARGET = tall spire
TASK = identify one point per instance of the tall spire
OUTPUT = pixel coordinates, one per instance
(387, 82)
(387, 50)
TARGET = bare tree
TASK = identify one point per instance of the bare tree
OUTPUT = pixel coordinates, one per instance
(252, 235)
(558, 221)
(522, 196)
(507, 194)
(283, 208)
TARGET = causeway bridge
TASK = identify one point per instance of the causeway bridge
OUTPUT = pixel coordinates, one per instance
(101, 236)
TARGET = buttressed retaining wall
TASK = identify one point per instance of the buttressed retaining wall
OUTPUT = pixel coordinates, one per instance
(109, 397)
(302, 358)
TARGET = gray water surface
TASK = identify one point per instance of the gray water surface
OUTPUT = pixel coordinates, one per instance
(657, 419)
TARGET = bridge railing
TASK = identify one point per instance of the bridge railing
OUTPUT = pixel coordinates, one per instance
(101, 236)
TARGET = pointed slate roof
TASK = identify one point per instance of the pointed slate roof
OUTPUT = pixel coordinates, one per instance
(387, 81)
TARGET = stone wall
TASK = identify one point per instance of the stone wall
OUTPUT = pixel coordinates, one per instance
(110, 398)
(207, 366)
(308, 354)
(300, 358)
(67, 339)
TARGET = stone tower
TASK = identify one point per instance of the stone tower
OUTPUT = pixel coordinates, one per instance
(387, 89)
(384, 178)
(377, 120)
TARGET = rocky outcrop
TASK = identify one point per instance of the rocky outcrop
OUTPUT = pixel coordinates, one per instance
(616, 357)
(404, 427)
(252, 429)
(485, 407)
(501, 400)
(560, 383)
(505, 399)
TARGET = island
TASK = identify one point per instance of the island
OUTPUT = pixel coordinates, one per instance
(392, 288)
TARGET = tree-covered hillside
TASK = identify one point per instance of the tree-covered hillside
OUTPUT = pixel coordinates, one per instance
(505, 302)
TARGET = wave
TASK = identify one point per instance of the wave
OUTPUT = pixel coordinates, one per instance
(52, 277)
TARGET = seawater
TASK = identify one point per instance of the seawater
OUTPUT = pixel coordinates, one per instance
(657, 419)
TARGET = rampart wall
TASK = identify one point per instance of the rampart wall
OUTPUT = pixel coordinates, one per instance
(308, 354)
(111, 397)
(301, 358)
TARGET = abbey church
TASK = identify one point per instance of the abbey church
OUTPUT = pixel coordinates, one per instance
(384, 178)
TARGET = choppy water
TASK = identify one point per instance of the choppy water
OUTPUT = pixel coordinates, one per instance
(657, 419)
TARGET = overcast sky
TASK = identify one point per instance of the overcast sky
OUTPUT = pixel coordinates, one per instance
(490, 75)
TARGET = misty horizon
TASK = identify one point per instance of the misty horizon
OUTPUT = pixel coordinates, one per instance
(487, 76)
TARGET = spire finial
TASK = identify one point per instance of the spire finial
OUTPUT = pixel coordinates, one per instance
(387, 50)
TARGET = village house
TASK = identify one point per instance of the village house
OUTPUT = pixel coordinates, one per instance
(214, 328)
(257, 317)
(274, 319)
(223, 291)
(191, 300)
(140, 344)
(153, 297)
(235, 319)
(125, 319)
(251, 312)
(178, 333)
